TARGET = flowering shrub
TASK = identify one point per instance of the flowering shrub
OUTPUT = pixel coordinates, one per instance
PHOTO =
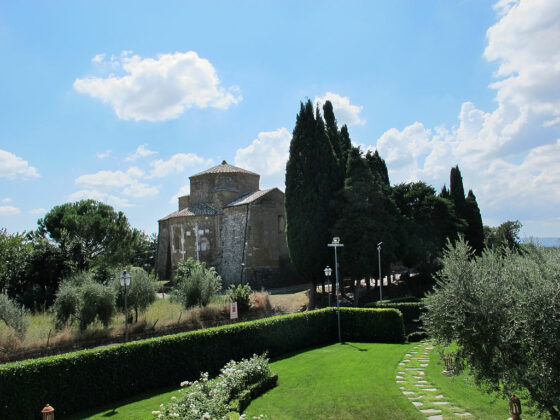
(209, 399)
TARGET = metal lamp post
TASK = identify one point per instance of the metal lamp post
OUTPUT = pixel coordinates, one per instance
(335, 244)
(380, 278)
(125, 282)
(328, 272)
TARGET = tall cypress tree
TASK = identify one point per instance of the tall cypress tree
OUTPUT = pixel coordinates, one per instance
(345, 143)
(444, 193)
(456, 191)
(332, 131)
(475, 230)
(309, 180)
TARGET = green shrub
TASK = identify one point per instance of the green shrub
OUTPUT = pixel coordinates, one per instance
(416, 336)
(241, 295)
(85, 379)
(141, 293)
(13, 315)
(210, 399)
(196, 284)
(83, 300)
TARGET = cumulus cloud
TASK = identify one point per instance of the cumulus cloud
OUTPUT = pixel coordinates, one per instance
(345, 112)
(158, 89)
(9, 211)
(267, 154)
(176, 164)
(508, 156)
(12, 166)
(128, 182)
(141, 151)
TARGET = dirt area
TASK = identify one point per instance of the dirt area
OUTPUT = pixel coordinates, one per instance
(290, 299)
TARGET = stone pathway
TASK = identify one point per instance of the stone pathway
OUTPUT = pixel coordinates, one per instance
(423, 395)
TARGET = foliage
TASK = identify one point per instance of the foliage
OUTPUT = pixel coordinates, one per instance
(15, 251)
(474, 232)
(365, 220)
(13, 315)
(141, 293)
(429, 221)
(82, 299)
(91, 233)
(311, 175)
(86, 378)
(503, 312)
(210, 399)
(504, 236)
(196, 284)
(411, 311)
(241, 295)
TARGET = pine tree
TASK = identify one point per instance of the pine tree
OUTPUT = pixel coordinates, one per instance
(475, 230)
(309, 178)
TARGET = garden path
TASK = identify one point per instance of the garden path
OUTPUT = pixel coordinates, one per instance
(423, 395)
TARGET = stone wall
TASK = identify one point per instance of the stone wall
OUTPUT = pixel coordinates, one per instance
(232, 239)
(219, 189)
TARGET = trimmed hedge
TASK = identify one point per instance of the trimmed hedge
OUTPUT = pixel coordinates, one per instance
(77, 381)
(411, 311)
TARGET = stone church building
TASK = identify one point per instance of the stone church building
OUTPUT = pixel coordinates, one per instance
(230, 224)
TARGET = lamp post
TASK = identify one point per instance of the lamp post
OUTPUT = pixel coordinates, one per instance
(335, 244)
(380, 278)
(328, 272)
(125, 282)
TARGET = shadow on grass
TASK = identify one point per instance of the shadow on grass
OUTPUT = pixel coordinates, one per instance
(353, 346)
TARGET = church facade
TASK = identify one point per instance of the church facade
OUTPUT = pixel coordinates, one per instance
(231, 224)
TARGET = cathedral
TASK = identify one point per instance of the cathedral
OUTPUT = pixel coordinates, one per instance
(232, 225)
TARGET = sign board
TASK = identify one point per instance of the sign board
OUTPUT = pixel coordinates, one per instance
(233, 310)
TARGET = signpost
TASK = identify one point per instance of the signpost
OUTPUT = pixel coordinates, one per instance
(233, 314)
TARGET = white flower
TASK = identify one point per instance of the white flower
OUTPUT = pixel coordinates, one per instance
(156, 412)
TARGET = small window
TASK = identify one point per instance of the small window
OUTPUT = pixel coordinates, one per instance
(281, 224)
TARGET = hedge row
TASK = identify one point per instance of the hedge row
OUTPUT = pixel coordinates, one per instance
(411, 311)
(89, 378)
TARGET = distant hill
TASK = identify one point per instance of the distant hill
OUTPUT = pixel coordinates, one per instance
(544, 241)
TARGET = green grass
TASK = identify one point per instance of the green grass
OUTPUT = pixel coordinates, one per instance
(462, 391)
(340, 381)
(139, 407)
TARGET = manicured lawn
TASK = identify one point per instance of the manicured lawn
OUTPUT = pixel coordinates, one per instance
(139, 407)
(462, 391)
(348, 381)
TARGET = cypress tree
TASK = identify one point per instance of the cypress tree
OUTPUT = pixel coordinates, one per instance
(332, 131)
(475, 230)
(456, 191)
(444, 193)
(378, 168)
(345, 143)
(309, 179)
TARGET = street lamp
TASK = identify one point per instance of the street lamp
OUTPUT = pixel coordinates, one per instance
(335, 244)
(380, 278)
(125, 282)
(328, 272)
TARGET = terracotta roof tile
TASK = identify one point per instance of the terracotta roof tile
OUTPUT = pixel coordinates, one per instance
(224, 167)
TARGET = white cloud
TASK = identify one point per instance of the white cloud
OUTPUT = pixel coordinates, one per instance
(159, 89)
(345, 112)
(37, 211)
(184, 190)
(508, 156)
(99, 58)
(9, 211)
(126, 183)
(104, 154)
(100, 196)
(141, 151)
(176, 164)
(267, 154)
(12, 166)
(6, 200)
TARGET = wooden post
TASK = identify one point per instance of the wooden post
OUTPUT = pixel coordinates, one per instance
(515, 408)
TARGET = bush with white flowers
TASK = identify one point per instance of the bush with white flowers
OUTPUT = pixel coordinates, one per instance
(209, 399)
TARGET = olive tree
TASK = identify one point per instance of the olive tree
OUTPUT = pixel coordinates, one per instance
(140, 294)
(502, 309)
(195, 283)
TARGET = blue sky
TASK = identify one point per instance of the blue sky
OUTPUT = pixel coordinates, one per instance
(123, 101)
